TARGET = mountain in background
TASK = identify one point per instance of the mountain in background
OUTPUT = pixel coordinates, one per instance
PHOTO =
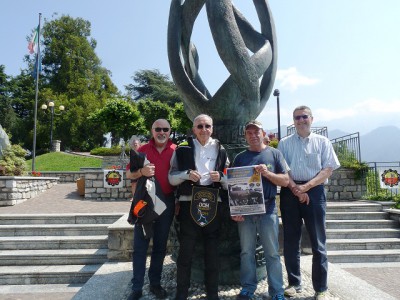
(380, 145)
(336, 133)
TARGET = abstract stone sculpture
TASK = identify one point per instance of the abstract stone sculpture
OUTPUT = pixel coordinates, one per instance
(243, 95)
(4, 141)
(240, 98)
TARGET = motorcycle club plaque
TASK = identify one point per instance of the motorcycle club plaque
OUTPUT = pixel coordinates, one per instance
(203, 207)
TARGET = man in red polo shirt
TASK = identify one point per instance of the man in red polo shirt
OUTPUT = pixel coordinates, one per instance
(158, 152)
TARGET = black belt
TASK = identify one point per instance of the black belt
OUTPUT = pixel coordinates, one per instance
(299, 182)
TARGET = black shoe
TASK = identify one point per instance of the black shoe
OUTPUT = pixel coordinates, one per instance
(158, 291)
(135, 295)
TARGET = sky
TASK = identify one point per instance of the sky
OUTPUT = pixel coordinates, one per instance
(341, 58)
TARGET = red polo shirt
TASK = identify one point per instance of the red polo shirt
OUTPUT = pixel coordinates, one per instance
(161, 162)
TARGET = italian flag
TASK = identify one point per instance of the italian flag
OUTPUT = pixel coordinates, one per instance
(32, 46)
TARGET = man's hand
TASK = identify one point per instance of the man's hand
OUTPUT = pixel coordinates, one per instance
(238, 218)
(215, 176)
(262, 169)
(148, 170)
(304, 198)
(300, 192)
(194, 176)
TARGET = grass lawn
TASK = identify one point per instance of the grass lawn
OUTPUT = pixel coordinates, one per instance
(59, 161)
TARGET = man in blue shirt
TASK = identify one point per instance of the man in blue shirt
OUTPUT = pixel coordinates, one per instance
(311, 159)
(270, 163)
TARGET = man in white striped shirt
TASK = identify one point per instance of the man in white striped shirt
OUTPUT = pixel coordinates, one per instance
(311, 159)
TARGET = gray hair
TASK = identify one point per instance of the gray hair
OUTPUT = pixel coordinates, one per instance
(302, 107)
(202, 116)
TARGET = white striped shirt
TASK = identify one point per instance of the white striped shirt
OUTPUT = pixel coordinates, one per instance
(306, 157)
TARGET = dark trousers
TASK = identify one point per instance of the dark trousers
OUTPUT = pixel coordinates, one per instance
(141, 245)
(189, 233)
(313, 214)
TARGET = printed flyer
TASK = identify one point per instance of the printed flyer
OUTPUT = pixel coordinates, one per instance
(245, 191)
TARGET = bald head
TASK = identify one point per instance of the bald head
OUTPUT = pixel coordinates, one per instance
(161, 130)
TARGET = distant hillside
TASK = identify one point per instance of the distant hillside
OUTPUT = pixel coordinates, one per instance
(336, 133)
(381, 144)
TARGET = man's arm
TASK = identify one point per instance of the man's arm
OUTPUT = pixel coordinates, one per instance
(323, 175)
(176, 177)
(303, 196)
(277, 179)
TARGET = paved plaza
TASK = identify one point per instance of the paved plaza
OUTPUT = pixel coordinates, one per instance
(348, 281)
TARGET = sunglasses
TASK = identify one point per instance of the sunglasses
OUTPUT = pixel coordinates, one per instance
(158, 129)
(304, 117)
(201, 126)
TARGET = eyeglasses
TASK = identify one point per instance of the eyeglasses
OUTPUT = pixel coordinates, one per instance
(158, 129)
(201, 126)
(304, 117)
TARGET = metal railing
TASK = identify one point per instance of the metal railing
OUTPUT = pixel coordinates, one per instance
(373, 179)
(348, 147)
(318, 130)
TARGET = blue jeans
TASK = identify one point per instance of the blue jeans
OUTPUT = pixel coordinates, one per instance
(313, 214)
(267, 227)
(141, 245)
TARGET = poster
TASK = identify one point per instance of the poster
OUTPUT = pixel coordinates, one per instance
(245, 191)
(389, 178)
(113, 178)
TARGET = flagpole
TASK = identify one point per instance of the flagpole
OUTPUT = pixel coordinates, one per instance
(36, 97)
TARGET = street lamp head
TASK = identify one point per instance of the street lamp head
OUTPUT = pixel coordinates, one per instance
(276, 93)
(44, 106)
(61, 108)
(51, 104)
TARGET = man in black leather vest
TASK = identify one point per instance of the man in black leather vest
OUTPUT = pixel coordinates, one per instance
(198, 163)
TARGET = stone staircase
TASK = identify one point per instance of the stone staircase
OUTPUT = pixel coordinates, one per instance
(59, 252)
(361, 232)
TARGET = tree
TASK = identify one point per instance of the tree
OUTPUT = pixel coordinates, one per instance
(152, 84)
(153, 110)
(157, 97)
(7, 114)
(120, 118)
(73, 72)
(181, 124)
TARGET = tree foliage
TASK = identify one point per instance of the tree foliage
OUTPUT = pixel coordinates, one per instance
(74, 75)
(154, 85)
(158, 98)
(13, 161)
(7, 115)
(120, 118)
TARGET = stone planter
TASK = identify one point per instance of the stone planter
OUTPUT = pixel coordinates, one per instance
(17, 189)
(344, 186)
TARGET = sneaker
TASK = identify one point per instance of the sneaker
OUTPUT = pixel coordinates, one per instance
(278, 297)
(292, 290)
(244, 295)
(135, 295)
(320, 296)
(158, 291)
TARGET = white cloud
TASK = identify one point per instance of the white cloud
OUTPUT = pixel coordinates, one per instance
(363, 109)
(291, 78)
